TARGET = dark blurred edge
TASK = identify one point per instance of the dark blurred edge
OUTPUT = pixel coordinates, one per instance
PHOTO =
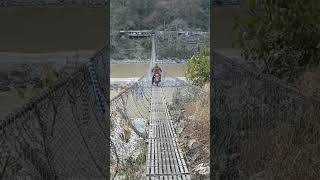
(97, 39)
(52, 28)
(212, 87)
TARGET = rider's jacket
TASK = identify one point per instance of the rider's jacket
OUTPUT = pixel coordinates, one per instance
(156, 70)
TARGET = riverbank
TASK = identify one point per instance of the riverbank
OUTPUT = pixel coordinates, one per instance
(137, 70)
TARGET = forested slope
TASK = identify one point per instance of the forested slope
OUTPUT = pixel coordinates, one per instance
(160, 14)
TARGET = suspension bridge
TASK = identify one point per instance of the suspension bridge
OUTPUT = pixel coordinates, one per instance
(164, 158)
(65, 132)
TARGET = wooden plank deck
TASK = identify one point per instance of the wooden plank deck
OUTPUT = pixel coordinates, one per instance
(164, 158)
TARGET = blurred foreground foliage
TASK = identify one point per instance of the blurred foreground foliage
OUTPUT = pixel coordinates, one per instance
(282, 36)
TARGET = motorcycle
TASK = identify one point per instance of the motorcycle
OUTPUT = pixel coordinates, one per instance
(157, 79)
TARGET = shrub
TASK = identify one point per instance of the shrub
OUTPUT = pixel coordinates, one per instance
(198, 68)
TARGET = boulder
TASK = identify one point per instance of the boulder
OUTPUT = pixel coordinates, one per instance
(139, 126)
(202, 171)
(191, 143)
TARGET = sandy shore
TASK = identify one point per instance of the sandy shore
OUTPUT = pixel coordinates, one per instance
(137, 70)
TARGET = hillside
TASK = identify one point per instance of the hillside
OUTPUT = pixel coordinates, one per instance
(161, 14)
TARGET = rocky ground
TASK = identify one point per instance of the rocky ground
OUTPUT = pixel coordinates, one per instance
(193, 129)
(264, 144)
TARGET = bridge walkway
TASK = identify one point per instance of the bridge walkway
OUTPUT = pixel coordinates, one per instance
(164, 158)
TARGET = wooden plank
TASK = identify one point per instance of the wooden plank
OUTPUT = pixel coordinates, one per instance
(160, 157)
(170, 130)
(170, 134)
(183, 161)
(159, 130)
(173, 170)
(164, 127)
(175, 158)
(167, 157)
(156, 157)
(171, 157)
(148, 157)
(163, 152)
(179, 161)
(152, 156)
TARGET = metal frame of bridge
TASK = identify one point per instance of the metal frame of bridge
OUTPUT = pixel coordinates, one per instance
(149, 33)
(164, 158)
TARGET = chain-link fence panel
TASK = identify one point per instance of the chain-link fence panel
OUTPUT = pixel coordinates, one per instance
(260, 122)
(59, 134)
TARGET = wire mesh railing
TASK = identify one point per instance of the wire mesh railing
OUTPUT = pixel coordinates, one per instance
(252, 114)
(130, 115)
(133, 105)
(60, 134)
(130, 106)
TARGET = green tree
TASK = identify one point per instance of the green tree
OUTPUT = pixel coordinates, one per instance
(177, 24)
(282, 36)
(198, 68)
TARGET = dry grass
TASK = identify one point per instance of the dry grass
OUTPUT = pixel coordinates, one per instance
(284, 152)
(271, 136)
(199, 123)
(278, 152)
(310, 83)
(197, 127)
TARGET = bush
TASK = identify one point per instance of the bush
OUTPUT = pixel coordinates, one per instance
(281, 36)
(198, 68)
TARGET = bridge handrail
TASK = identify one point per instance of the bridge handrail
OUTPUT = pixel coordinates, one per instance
(43, 94)
(186, 82)
(266, 78)
(149, 31)
(126, 89)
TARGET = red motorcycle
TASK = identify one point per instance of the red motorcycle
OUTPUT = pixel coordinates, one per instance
(157, 79)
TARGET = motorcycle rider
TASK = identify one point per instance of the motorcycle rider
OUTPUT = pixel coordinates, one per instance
(156, 70)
